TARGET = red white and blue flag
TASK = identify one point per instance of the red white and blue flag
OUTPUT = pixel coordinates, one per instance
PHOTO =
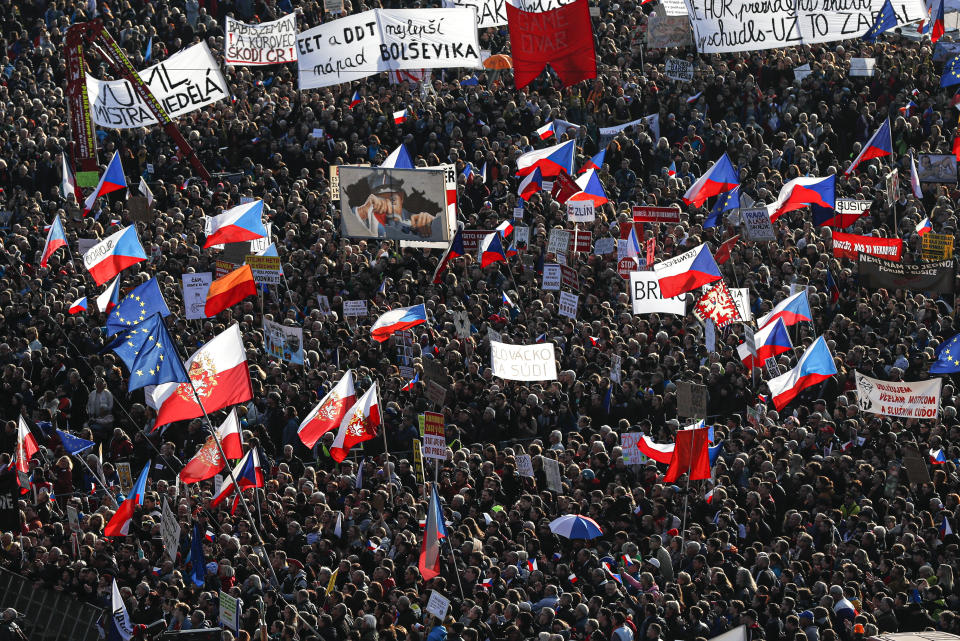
(68, 183)
(594, 163)
(399, 158)
(455, 250)
(531, 184)
(770, 342)
(434, 532)
(112, 255)
(793, 309)
(248, 473)
(719, 178)
(816, 365)
(356, 99)
(591, 189)
(924, 226)
(546, 131)
(110, 297)
(119, 524)
(937, 457)
(491, 250)
(413, 381)
(687, 272)
(56, 238)
(808, 191)
(79, 305)
(672, 169)
(400, 117)
(241, 223)
(879, 145)
(397, 320)
(550, 160)
(915, 178)
(112, 180)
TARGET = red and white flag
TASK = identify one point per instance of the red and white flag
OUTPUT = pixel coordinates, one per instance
(207, 462)
(26, 447)
(400, 117)
(360, 424)
(329, 412)
(718, 305)
(219, 373)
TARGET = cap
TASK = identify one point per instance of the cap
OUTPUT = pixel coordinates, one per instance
(382, 182)
(806, 614)
(654, 562)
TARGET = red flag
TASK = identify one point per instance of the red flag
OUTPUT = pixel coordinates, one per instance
(207, 462)
(26, 447)
(562, 37)
(956, 147)
(691, 455)
(360, 424)
(723, 253)
(329, 412)
(563, 187)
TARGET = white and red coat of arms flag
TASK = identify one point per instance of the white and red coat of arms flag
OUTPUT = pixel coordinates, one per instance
(718, 305)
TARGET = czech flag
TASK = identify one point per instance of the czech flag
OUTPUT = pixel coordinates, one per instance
(546, 131)
(79, 305)
(771, 341)
(491, 250)
(110, 297)
(413, 381)
(243, 222)
(833, 288)
(924, 226)
(360, 424)
(938, 25)
(467, 172)
(879, 145)
(551, 160)
(692, 99)
(591, 189)
(373, 547)
(708, 497)
(945, 528)
(594, 163)
(328, 413)
(455, 250)
(486, 583)
(397, 320)
(908, 108)
(112, 255)
(506, 300)
(356, 100)
(434, 532)
(119, 524)
(112, 180)
(400, 117)
(68, 183)
(816, 365)
(915, 178)
(805, 192)
(672, 169)
(248, 473)
(398, 159)
(56, 238)
(719, 178)
(792, 310)
(531, 184)
(687, 272)
(937, 457)
(505, 228)
(230, 289)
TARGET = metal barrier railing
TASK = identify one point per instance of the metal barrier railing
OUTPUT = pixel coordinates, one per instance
(48, 615)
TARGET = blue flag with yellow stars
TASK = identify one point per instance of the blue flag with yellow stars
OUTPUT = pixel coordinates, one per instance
(141, 303)
(948, 357)
(951, 72)
(725, 202)
(886, 19)
(149, 353)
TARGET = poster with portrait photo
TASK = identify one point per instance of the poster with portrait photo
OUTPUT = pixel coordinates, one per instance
(393, 204)
(937, 168)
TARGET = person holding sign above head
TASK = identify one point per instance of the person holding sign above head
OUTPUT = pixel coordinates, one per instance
(383, 210)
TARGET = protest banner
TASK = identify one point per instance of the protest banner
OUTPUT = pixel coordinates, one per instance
(551, 470)
(616, 368)
(671, 8)
(552, 276)
(801, 72)
(741, 296)
(266, 269)
(125, 474)
(184, 82)
(283, 342)
(631, 451)
(354, 308)
(567, 305)
(664, 32)
(647, 298)
(418, 461)
(580, 211)
(569, 277)
(652, 122)
(757, 226)
(920, 399)
(450, 179)
(472, 239)
(677, 69)
(935, 278)
(863, 67)
(742, 25)
(558, 242)
(849, 245)
(222, 268)
(645, 214)
(73, 517)
(849, 210)
(524, 465)
(393, 204)
(892, 181)
(580, 240)
(229, 612)
(169, 531)
(461, 321)
(493, 13)
(333, 6)
(936, 246)
(523, 362)
(334, 183)
(937, 168)
(267, 43)
(434, 438)
(750, 340)
(691, 400)
(561, 37)
(195, 288)
(651, 251)
(436, 393)
(773, 370)
(604, 246)
(360, 45)
(438, 605)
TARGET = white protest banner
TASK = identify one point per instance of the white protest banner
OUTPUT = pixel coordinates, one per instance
(283, 342)
(920, 399)
(757, 225)
(438, 605)
(616, 373)
(229, 612)
(580, 211)
(668, 31)
(521, 236)
(73, 517)
(268, 43)
(567, 305)
(461, 321)
(552, 276)
(551, 469)
(184, 82)
(354, 308)
(169, 531)
(750, 339)
(741, 296)
(631, 451)
(493, 13)
(333, 6)
(673, 8)
(710, 335)
(647, 299)
(852, 206)
(195, 288)
(652, 121)
(366, 43)
(559, 241)
(604, 246)
(323, 303)
(801, 72)
(450, 179)
(735, 26)
(863, 67)
(524, 465)
(677, 69)
(523, 362)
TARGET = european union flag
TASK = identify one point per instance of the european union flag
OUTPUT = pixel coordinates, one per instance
(198, 564)
(886, 19)
(948, 357)
(725, 202)
(149, 353)
(74, 444)
(951, 72)
(149, 51)
(142, 302)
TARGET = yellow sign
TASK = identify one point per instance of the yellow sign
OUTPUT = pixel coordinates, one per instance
(418, 461)
(936, 246)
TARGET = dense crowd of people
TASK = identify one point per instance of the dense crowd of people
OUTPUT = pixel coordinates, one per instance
(801, 539)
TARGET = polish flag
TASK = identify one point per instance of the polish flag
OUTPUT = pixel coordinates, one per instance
(328, 413)
(26, 447)
(219, 373)
(360, 424)
(207, 462)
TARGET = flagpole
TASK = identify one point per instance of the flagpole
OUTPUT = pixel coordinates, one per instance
(517, 287)
(453, 558)
(100, 480)
(386, 453)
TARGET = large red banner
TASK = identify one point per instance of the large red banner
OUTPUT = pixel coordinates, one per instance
(849, 245)
(562, 37)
